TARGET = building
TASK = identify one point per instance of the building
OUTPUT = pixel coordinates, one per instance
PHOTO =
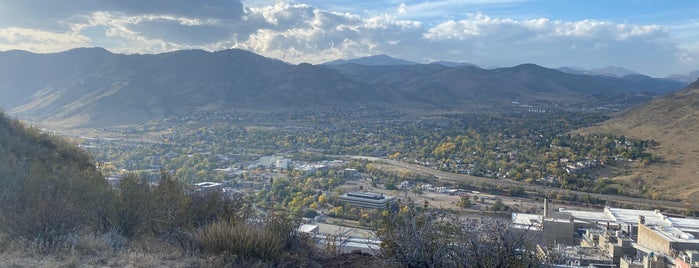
(627, 237)
(308, 229)
(207, 186)
(272, 162)
(674, 239)
(368, 200)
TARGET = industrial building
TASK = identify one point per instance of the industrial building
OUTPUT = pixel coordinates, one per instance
(368, 200)
(619, 237)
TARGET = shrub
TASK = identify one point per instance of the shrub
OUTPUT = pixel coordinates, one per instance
(271, 240)
(240, 239)
(51, 189)
(426, 239)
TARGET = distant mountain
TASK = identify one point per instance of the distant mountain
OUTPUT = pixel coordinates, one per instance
(93, 87)
(613, 71)
(574, 70)
(23, 73)
(376, 60)
(453, 64)
(685, 78)
(673, 121)
(437, 84)
(606, 71)
(113, 89)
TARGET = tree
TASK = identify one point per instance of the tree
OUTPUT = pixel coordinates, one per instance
(465, 201)
(499, 206)
(170, 205)
(133, 204)
(322, 199)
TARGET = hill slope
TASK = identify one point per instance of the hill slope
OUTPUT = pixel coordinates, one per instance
(127, 89)
(50, 187)
(673, 121)
(438, 84)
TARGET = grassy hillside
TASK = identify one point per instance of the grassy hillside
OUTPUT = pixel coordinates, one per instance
(50, 187)
(673, 121)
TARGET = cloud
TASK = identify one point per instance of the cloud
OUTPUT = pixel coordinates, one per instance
(33, 11)
(37, 40)
(302, 33)
(125, 25)
(585, 43)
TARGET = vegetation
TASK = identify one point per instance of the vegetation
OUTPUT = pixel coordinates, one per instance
(535, 148)
(50, 189)
(419, 238)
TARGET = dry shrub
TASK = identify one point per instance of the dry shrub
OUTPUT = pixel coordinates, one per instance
(240, 239)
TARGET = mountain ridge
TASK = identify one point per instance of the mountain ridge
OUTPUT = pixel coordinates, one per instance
(94, 87)
(375, 60)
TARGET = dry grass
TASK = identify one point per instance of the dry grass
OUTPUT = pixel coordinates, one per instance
(240, 239)
(673, 121)
(94, 251)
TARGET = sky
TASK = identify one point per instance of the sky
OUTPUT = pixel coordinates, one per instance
(657, 38)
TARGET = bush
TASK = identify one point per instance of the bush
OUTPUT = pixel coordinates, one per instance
(51, 189)
(171, 211)
(243, 240)
(426, 239)
(271, 241)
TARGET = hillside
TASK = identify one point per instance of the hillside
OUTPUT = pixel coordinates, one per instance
(126, 89)
(91, 87)
(50, 186)
(439, 84)
(673, 121)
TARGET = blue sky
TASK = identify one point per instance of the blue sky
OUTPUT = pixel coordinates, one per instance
(658, 38)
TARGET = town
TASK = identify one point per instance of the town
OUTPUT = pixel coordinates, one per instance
(341, 186)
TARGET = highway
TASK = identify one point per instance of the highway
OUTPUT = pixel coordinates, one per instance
(473, 180)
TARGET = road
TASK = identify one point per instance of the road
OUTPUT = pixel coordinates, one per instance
(452, 177)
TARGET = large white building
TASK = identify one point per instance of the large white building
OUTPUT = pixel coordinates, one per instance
(368, 200)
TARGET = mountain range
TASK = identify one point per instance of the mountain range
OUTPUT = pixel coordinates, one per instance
(92, 87)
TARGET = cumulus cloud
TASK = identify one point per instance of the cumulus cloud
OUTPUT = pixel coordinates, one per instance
(297, 32)
(37, 40)
(554, 43)
(303, 33)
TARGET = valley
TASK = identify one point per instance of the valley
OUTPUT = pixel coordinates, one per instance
(525, 147)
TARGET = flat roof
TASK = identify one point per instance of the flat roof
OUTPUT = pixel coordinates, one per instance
(674, 234)
(307, 228)
(527, 221)
(208, 184)
(677, 230)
